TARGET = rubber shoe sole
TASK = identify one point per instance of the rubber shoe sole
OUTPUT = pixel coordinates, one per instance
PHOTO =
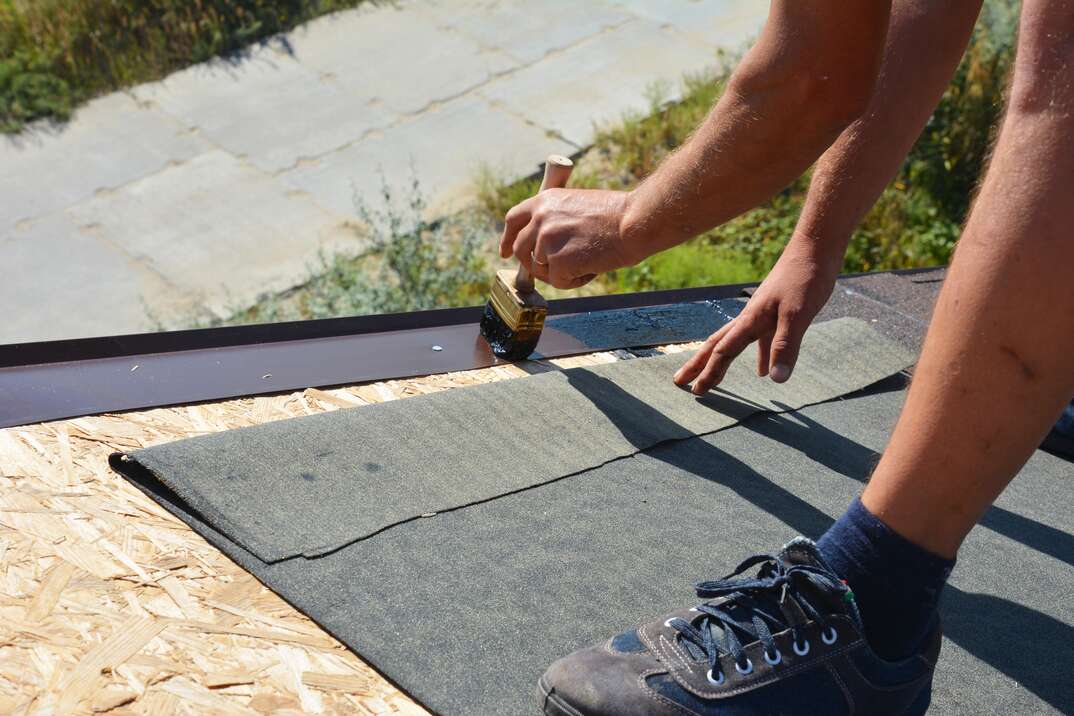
(551, 705)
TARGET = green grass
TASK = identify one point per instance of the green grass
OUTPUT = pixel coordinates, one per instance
(55, 54)
(695, 263)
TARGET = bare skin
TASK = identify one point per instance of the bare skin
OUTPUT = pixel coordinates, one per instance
(996, 368)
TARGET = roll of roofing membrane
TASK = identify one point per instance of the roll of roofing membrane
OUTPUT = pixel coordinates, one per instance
(310, 504)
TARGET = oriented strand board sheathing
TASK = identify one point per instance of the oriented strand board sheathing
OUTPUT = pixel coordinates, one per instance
(108, 604)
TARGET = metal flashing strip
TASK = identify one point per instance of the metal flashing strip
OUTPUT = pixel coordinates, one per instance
(193, 366)
(78, 349)
(63, 379)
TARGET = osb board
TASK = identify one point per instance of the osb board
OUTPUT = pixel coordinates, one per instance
(108, 604)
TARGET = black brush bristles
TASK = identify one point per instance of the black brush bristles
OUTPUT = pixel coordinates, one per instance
(507, 343)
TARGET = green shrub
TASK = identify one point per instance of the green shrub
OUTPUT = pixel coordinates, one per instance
(28, 90)
(61, 52)
(420, 264)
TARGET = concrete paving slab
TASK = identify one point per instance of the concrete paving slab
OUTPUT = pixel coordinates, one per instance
(221, 231)
(444, 148)
(597, 80)
(524, 31)
(110, 141)
(397, 55)
(49, 264)
(266, 107)
(720, 23)
(178, 174)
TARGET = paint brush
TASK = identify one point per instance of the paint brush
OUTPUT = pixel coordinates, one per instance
(514, 314)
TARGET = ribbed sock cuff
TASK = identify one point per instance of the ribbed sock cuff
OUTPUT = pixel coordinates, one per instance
(897, 583)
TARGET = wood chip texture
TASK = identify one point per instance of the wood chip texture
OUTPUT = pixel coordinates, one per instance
(108, 604)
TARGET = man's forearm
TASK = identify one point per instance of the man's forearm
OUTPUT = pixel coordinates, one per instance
(807, 77)
(924, 45)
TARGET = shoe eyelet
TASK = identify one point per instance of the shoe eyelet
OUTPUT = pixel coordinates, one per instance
(773, 660)
(803, 650)
(829, 640)
(715, 682)
(747, 670)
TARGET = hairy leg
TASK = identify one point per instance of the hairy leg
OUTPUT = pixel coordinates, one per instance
(997, 367)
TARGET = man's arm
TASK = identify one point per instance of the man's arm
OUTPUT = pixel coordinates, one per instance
(996, 368)
(811, 72)
(924, 44)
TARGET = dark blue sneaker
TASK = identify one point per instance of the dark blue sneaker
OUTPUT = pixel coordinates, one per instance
(1060, 440)
(788, 641)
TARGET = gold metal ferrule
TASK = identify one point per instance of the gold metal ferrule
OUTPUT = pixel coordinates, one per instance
(521, 312)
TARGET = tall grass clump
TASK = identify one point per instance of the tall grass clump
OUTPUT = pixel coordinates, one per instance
(55, 54)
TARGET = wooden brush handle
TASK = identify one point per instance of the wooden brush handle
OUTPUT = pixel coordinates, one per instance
(557, 170)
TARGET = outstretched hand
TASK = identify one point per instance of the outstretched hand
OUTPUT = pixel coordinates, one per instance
(777, 317)
(566, 237)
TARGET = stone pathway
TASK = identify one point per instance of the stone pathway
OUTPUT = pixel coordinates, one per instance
(224, 181)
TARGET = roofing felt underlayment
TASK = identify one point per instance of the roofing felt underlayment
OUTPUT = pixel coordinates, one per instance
(464, 601)
(309, 486)
(465, 609)
(91, 562)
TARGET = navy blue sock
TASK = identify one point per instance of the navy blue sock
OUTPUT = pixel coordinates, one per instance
(896, 583)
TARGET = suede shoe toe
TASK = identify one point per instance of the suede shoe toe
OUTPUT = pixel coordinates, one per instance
(604, 680)
(788, 641)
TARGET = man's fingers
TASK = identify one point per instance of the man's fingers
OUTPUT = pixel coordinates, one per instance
(569, 283)
(561, 273)
(582, 280)
(764, 354)
(785, 345)
(517, 218)
(524, 245)
(723, 354)
(696, 362)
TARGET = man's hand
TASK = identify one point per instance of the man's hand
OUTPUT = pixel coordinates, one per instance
(565, 237)
(925, 42)
(777, 317)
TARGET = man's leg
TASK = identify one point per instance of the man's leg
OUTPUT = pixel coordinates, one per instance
(994, 374)
(996, 368)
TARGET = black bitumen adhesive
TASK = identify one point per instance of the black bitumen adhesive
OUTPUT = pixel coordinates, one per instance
(651, 325)
(504, 342)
